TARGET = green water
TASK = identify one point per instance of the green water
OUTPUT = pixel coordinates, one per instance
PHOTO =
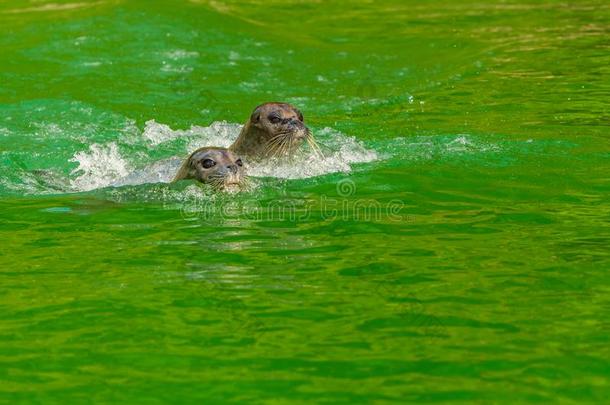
(465, 260)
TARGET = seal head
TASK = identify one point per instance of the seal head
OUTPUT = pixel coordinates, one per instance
(218, 167)
(273, 130)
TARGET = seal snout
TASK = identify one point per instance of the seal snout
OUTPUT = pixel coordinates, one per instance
(232, 168)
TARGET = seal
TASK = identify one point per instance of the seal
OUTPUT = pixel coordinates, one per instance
(219, 167)
(273, 130)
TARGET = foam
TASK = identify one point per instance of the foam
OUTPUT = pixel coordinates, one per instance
(100, 166)
(104, 165)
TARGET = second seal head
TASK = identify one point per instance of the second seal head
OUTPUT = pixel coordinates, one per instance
(218, 167)
(273, 130)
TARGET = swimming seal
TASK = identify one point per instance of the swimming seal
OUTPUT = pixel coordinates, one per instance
(273, 130)
(219, 167)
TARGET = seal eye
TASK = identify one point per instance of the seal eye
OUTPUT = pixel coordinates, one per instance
(274, 119)
(239, 162)
(207, 163)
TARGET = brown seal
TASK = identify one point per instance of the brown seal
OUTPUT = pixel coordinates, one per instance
(273, 130)
(219, 167)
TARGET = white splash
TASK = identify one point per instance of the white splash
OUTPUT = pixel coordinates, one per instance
(162, 171)
(464, 143)
(103, 166)
(98, 167)
(217, 134)
(178, 54)
(339, 153)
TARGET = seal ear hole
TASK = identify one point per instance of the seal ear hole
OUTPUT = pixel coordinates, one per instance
(239, 162)
(300, 115)
(256, 116)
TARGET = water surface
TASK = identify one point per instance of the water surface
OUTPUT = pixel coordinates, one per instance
(452, 245)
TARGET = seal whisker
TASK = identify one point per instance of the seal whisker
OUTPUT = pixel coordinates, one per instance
(286, 146)
(277, 150)
(279, 135)
(314, 146)
(280, 151)
(273, 149)
(289, 147)
(282, 144)
(278, 138)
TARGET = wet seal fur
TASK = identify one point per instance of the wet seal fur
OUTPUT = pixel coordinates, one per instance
(273, 130)
(219, 167)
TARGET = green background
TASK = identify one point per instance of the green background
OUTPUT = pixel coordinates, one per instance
(469, 262)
